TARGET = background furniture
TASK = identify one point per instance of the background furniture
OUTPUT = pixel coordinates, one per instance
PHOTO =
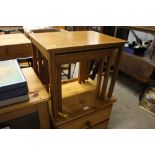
(38, 102)
(11, 29)
(136, 66)
(14, 46)
(82, 103)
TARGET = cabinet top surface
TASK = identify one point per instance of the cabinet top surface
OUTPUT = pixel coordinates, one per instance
(13, 39)
(83, 40)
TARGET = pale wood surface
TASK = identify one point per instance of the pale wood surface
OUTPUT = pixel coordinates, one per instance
(13, 39)
(35, 86)
(73, 41)
(75, 98)
(14, 46)
(38, 96)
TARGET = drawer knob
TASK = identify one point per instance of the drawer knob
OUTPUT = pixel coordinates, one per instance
(88, 123)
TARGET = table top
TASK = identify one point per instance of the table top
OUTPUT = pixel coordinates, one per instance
(37, 92)
(13, 39)
(74, 41)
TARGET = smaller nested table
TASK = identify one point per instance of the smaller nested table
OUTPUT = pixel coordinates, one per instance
(83, 103)
(38, 102)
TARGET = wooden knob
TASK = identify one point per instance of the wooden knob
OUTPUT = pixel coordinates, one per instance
(88, 123)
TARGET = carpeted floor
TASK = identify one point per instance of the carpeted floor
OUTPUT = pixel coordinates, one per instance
(125, 113)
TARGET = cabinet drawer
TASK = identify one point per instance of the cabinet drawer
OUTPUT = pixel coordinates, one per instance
(102, 125)
(89, 120)
(3, 51)
(19, 51)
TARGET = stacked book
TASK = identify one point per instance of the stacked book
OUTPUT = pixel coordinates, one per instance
(13, 86)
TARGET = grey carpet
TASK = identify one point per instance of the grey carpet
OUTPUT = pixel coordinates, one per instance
(126, 112)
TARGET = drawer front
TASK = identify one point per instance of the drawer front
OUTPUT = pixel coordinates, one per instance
(102, 125)
(19, 51)
(89, 120)
(3, 51)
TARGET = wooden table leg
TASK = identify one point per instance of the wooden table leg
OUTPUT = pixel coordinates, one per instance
(87, 69)
(69, 71)
(46, 74)
(59, 90)
(83, 71)
(55, 85)
(106, 76)
(99, 77)
(40, 64)
(115, 73)
(35, 66)
(80, 72)
(44, 115)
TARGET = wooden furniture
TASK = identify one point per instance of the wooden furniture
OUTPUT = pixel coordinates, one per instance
(14, 46)
(136, 66)
(38, 102)
(11, 29)
(64, 68)
(82, 103)
(147, 29)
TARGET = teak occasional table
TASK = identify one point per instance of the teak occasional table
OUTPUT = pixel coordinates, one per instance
(38, 102)
(14, 46)
(83, 103)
